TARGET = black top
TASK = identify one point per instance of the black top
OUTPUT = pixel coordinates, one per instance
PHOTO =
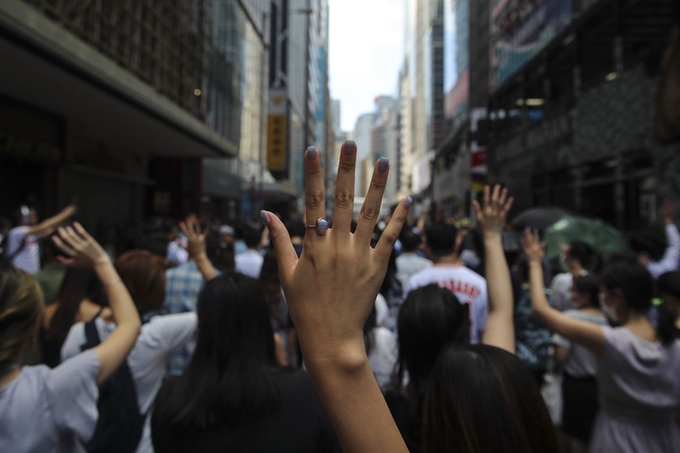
(407, 414)
(300, 425)
(50, 350)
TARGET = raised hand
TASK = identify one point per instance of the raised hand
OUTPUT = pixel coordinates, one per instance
(532, 246)
(331, 290)
(195, 238)
(82, 249)
(492, 214)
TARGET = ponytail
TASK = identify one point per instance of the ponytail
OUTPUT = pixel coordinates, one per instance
(665, 325)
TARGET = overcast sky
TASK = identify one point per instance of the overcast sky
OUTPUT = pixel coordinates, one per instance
(365, 53)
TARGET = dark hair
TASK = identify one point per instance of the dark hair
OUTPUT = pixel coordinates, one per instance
(637, 286)
(296, 228)
(143, 273)
(522, 268)
(5, 223)
(441, 238)
(226, 381)
(252, 237)
(589, 285)
(430, 318)
(78, 284)
(410, 241)
(651, 240)
(669, 283)
(582, 252)
(482, 399)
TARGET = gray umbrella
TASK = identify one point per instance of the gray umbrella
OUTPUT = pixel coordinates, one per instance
(540, 218)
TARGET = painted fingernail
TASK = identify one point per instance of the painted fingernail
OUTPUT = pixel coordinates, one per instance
(407, 202)
(312, 152)
(350, 147)
(265, 217)
(383, 162)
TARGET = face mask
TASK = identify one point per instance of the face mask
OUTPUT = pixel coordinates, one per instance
(610, 312)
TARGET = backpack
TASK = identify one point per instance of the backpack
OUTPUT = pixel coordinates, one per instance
(120, 424)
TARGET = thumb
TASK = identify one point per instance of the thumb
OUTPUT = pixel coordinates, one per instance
(280, 239)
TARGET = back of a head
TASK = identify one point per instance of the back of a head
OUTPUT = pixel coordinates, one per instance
(441, 238)
(430, 318)
(21, 303)
(252, 237)
(669, 283)
(143, 273)
(637, 286)
(226, 381)
(582, 252)
(410, 241)
(5, 224)
(482, 399)
(590, 285)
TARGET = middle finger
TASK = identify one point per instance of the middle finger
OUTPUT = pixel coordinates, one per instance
(315, 197)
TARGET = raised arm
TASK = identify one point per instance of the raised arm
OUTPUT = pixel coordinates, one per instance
(491, 216)
(47, 226)
(331, 290)
(584, 333)
(196, 247)
(84, 251)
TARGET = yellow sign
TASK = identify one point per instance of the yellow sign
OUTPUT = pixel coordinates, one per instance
(276, 142)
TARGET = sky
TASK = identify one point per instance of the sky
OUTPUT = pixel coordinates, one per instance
(365, 53)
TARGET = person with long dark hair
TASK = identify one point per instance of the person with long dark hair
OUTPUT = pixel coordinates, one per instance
(638, 362)
(331, 292)
(234, 396)
(81, 299)
(668, 286)
(430, 318)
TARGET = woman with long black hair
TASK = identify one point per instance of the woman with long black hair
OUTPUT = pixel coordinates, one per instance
(234, 396)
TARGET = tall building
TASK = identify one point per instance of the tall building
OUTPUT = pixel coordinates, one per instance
(421, 98)
(298, 84)
(363, 136)
(385, 142)
(114, 104)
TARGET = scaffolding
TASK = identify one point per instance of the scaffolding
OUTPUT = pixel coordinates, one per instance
(166, 43)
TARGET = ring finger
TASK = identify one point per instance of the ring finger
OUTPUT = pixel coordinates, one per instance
(315, 197)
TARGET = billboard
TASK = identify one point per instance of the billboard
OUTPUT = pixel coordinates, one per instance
(456, 56)
(520, 29)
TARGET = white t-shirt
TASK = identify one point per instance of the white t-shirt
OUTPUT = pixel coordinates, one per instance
(383, 355)
(148, 359)
(468, 286)
(560, 291)
(249, 263)
(28, 259)
(46, 410)
(580, 362)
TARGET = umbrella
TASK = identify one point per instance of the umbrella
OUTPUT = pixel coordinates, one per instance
(539, 218)
(603, 237)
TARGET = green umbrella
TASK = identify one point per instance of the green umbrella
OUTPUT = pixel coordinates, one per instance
(604, 238)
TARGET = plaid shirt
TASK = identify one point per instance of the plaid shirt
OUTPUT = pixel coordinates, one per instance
(183, 284)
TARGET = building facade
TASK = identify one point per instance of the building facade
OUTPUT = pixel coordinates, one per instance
(584, 121)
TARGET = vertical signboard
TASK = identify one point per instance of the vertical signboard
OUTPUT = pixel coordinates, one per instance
(276, 130)
(456, 56)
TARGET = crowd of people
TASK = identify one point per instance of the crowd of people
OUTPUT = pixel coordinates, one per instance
(346, 334)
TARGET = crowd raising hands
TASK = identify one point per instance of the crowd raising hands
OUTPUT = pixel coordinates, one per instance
(239, 390)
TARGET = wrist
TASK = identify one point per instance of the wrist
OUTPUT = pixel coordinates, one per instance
(201, 258)
(347, 356)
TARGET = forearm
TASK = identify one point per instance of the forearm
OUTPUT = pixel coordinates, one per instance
(206, 267)
(500, 331)
(539, 301)
(355, 405)
(47, 226)
(124, 311)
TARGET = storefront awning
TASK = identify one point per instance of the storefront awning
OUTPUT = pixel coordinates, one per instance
(50, 69)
